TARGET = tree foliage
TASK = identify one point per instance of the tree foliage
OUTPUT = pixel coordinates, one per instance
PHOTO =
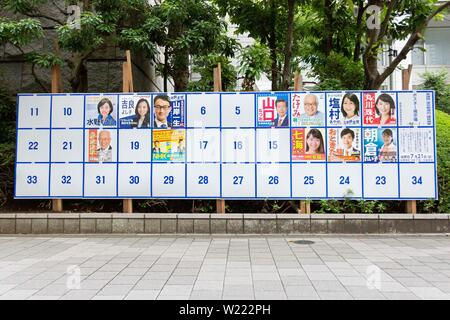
(438, 82)
(191, 28)
(102, 23)
(204, 65)
(254, 61)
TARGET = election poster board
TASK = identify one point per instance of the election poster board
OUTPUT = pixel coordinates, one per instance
(230, 145)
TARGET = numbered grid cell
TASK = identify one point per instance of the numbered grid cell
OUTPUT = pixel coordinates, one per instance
(238, 145)
(168, 180)
(309, 180)
(416, 144)
(33, 145)
(100, 180)
(415, 108)
(100, 147)
(134, 180)
(32, 180)
(203, 110)
(134, 145)
(273, 180)
(203, 180)
(238, 180)
(417, 180)
(344, 180)
(381, 180)
(66, 180)
(67, 111)
(67, 145)
(34, 111)
(273, 145)
(238, 110)
(203, 145)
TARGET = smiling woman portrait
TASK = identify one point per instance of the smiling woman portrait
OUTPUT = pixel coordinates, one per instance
(314, 142)
(385, 109)
(105, 108)
(350, 106)
(142, 114)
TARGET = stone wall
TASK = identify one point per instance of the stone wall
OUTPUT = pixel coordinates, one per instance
(188, 223)
(104, 67)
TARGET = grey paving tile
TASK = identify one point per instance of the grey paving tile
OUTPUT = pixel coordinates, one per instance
(79, 295)
(37, 297)
(142, 295)
(338, 295)
(114, 290)
(104, 297)
(206, 295)
(125, 280)
(428, 293)
(326, 285)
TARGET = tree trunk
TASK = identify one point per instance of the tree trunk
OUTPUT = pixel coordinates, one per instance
(357, 51)
(288, 47)
(166, 67)
(180, 70)
(178, 67)
(78, 80)
(273, 45)
(328, 27)
(372, 78)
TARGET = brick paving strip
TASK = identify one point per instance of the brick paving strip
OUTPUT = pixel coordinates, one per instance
(225, 267)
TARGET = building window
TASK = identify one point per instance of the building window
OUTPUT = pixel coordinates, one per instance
(418, 55)
(437, 46)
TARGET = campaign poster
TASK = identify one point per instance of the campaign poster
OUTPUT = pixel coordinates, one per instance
(168, 145)
(344, 144)
(308, 109)
(308, 144)
(379, 108)
(344, 109)
(134, 111)
(380, 145)
(169, 111)
(101, 111)
(273, 110)
(415, 108)
(99, 146)
(416, 145)
(176, 117)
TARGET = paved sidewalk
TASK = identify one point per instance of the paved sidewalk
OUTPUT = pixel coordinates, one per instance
(224, 267)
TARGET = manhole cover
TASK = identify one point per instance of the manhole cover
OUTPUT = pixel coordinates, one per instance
(302, 242)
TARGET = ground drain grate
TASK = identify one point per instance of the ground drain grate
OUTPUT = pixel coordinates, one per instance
(302, 242)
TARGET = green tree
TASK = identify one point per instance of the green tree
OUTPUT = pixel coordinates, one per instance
(254, 61)
(204, 66)
(272, 23)
(192, 28)
(399, 20)
(356, 30)
(438, 82)
(126, 23)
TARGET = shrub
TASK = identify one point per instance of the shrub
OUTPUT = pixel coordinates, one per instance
(337, 72)
(443, 167)
(437, 81)
(7, 147)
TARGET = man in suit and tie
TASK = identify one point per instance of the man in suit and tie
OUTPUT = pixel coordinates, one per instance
(162, 108)
(282, 119)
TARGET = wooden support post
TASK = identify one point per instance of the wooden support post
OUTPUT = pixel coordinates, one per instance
(411, 205)
(220, 203)
(305, 206)
(127, 86)
(57, 204)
